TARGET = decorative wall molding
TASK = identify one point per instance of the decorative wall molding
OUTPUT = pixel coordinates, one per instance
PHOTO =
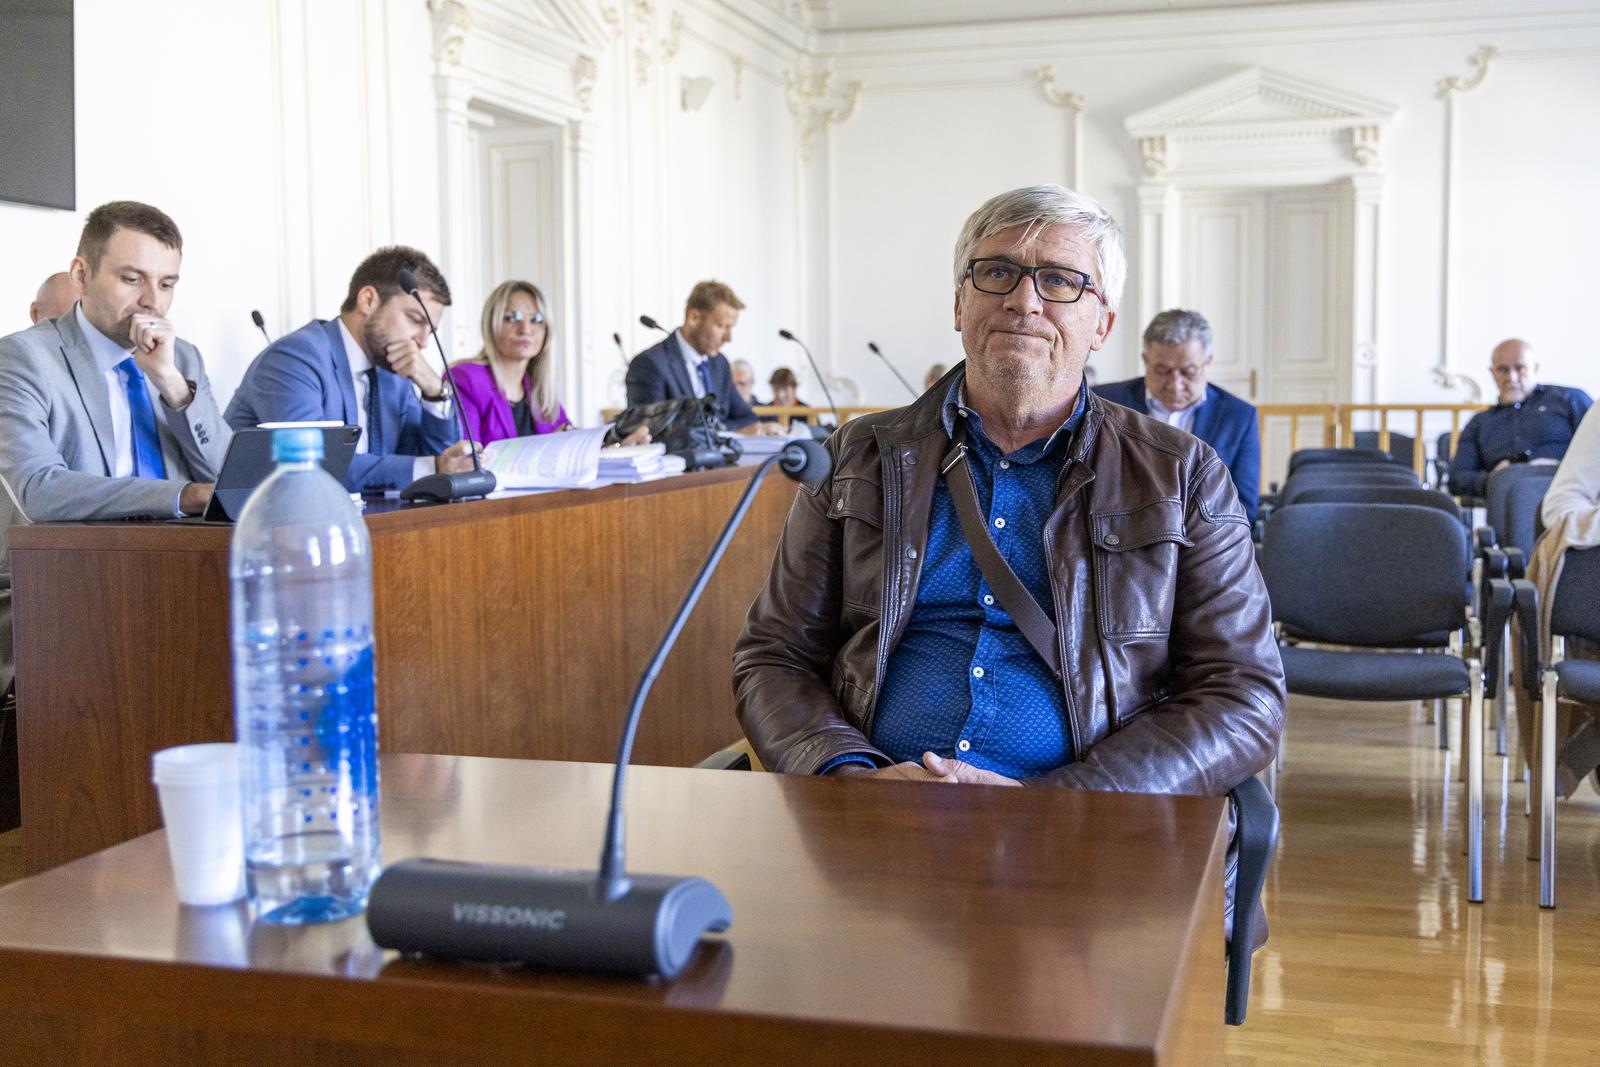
(1261, 129)
(585, 69)
(1448, 89)
(738, 76)
(815, 108)
(1056, 96)
(451, 21)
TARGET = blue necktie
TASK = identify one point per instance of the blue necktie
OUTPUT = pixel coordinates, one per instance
(374, 414)
(147, 461)
(704, 367)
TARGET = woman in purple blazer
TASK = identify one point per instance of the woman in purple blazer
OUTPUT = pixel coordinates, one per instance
(505, 390)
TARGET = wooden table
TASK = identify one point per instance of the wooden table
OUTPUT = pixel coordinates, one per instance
(874, 923)
(513, 627)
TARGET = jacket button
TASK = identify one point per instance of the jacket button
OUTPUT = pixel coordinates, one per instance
(909, 456)
(1113, 539)
(911, 553)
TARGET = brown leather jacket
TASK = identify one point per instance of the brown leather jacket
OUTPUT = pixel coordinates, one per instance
(1171, 677)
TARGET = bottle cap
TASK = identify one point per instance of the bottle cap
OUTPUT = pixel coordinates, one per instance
(301, 445)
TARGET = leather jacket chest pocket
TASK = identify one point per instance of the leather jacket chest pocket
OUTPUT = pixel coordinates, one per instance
(857, 506)
(1136, 567)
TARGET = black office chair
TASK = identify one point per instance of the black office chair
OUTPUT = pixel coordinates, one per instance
(1383, 577)
(1256, 831)
(1511, 505)
(1345, 477)
(1380, 494)
(1401, 446)
(1572, 614)
(1309, 457)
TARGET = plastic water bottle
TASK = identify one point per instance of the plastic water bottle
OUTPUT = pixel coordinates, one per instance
(301, 564)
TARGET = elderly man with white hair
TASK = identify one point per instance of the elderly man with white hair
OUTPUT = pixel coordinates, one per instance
(1012, 581)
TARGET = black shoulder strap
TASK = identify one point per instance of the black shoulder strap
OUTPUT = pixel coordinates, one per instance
(1025, 611)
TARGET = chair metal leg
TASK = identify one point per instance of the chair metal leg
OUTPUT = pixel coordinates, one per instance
(1547, 792)
(1269, 778)
(1500, 701)
(1527, 790)
(1466, 725)
(1473, 759)
(1444, 723)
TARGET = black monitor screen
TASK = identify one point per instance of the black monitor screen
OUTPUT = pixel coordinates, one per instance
(36, 133)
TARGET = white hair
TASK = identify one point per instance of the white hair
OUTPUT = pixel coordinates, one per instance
(1038, 206)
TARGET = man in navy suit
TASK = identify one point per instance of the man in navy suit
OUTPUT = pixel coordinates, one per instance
(1177, 354)
(366, 368)
(689, 361)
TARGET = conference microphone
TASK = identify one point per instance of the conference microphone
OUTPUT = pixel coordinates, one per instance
(462, 485)
(787, 336)
(877, 352)
(651, 324)
(604, 920)
(617, 337)
(261, 324)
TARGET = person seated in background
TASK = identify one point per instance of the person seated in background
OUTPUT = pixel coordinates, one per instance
(1530, 423)
(883, 645)
(364, 368)
(105, 413)
(935, 372)
(506, 389)
(744, 380)
(784, 385)
(689, 361)
(1177, 355)
(1576, 486)
(54, 298)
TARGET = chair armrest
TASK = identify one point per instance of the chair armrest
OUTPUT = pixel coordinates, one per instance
(727, 759)
(1257, 835)
(1525, 606)
(1483, 537)
(1496, 613)
(1515, 564)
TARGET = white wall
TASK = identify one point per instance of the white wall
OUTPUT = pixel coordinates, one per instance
(950, 117)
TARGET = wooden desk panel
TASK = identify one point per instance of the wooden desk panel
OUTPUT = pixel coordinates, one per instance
(513, 627)
(875, 923)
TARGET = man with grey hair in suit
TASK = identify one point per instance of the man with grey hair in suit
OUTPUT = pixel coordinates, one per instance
(104, 412)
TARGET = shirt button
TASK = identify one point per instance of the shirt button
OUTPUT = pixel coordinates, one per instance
(987, 599)
(1113, 539)
(999, 524)
(1005, 465)
(964, 745)
(977, 672)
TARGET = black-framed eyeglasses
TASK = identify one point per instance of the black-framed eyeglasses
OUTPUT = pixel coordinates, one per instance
(1055, 285)
(511, 318)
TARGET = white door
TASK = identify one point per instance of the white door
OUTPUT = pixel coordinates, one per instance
(523, 236)
(1266, 268)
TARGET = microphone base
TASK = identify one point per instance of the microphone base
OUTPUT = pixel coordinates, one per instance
(702, 459)
(544, 917)
(443, 488)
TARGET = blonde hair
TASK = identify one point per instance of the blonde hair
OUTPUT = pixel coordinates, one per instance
(540, 392)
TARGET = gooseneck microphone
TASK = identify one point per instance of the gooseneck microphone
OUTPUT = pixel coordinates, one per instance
(605, 920)
(623, 352)
(460, 485)
(651, 324)
(877, 352)
(787, 336)
(261, 324)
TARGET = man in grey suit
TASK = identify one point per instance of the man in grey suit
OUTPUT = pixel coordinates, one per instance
(104, 412)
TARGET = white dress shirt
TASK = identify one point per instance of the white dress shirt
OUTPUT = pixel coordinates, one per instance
(107, 354)
(692, 359)
(1183, 418)
(1576, 486)
(360, 363)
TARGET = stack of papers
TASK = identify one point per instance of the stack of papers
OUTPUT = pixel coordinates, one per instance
(765, 446)
(547, 461)
(638, 463)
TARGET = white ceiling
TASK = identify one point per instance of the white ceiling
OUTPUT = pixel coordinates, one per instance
(847, 15)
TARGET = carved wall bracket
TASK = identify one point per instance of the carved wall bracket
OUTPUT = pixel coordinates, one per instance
(451, 20)
(1460, 83)
(815, 108)
(1153, 151)
(1056, 96)
(1448, 90)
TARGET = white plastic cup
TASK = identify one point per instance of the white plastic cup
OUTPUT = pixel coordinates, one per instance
(201, 808)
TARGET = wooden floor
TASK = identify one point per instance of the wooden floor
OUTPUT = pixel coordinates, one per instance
(1375, 956)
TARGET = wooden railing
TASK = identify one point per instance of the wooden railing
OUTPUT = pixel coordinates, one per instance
(1336, 428)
